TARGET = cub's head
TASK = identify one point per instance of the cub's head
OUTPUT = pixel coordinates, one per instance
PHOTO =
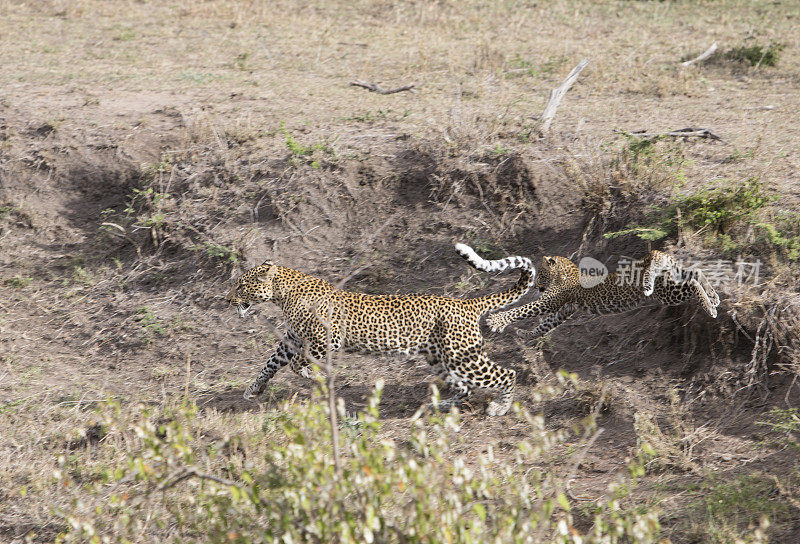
(555, 270)
(253, 286)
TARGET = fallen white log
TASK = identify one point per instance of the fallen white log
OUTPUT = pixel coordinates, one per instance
(708, 52)
(557, 94)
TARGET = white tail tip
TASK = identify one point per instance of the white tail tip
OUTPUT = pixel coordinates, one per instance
(468, 252)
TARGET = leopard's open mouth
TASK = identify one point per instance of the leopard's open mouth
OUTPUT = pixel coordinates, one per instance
(243, 308)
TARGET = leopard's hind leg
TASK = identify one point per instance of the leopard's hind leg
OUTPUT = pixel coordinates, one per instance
(458, 386)
(470, 371)
(659, 263)
(709, 290)
(440, 369)
(701, 294)
(673, 294)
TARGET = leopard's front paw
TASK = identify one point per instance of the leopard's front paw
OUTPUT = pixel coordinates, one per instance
(497, 409)
(253, 392)
(497, 322)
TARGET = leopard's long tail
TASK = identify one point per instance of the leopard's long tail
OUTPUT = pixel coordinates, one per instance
(500, 300)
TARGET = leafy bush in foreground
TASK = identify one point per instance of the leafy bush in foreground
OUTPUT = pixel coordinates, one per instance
(176, 486)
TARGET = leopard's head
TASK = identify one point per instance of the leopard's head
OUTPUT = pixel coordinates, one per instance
(555, 270)
(255, 285)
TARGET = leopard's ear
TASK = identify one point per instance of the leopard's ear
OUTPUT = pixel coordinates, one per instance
(549, 260)
(268, 272)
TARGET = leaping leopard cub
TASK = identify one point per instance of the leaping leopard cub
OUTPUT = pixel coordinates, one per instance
(444, 329)
(661, 277)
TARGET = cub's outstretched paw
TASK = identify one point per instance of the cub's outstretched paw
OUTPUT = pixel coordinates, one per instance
(497, 322)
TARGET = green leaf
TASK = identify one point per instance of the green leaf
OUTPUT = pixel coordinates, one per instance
(563, 501)
(480, 510)
(645, 233)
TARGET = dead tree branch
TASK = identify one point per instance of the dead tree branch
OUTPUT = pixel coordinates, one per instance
(688, 132)
(707, 53)
(557, 94)
(376, 89)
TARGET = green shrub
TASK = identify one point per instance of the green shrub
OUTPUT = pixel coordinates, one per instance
(735, 508)
(306, 153)
(756, 54)
(173, 485)
(218, 251)
(721, 207)
(654, 158)
(716, 208)
(20, 282)
(784, 422)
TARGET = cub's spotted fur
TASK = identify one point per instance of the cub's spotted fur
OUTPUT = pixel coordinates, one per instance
(662, 278)
(444, 329)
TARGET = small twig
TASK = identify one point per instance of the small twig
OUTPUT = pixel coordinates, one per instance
(81, 402)
(188, 376)
(708, 52)
(582, 455)
(354, 44)
(680, 133)
(124, 234)
(557, 94)
(331, 302)
(331, 391)
(376, 89)
(175, 479)
(732, 313)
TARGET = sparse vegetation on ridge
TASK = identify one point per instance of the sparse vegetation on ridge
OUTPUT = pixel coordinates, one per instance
(732, 216)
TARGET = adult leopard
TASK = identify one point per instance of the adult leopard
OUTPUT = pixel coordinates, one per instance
(444, 329)
(658, 276)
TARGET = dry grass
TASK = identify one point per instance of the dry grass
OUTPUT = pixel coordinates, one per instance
(482, 70)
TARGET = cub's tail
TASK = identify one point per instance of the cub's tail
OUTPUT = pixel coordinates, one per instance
(502, 299)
